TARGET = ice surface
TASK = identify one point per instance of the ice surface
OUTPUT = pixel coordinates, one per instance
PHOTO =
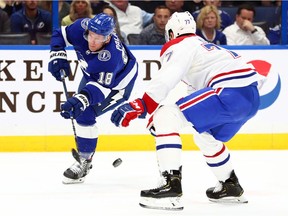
(30, 184)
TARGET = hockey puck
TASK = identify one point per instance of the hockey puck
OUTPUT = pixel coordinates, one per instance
(117, 162)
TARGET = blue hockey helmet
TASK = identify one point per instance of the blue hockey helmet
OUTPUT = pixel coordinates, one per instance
(101, 24)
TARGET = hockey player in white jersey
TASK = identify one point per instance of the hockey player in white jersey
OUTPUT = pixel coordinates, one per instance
(109, 73)
(225, 96)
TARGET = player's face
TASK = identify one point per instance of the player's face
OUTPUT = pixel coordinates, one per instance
(169, 36)
(96, 41)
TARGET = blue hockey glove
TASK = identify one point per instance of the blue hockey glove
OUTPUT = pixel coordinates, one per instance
(58, 61)
(129, 111)
(74, 106)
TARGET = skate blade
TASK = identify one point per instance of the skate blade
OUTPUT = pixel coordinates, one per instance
(230, 200)
(170, 203)
(73, 181)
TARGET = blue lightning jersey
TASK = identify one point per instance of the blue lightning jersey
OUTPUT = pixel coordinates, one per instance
(107, 71)
(108, 77)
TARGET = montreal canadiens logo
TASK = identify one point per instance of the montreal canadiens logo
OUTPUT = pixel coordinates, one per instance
(271, 87)
(104, 55)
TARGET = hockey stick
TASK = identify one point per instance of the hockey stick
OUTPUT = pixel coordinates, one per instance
(74, 152)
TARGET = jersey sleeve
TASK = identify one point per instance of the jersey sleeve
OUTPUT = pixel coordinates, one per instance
(57, 41)
(68, 35)
(129, 70)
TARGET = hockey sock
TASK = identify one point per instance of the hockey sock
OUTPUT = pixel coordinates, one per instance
(169, 149)
(216, 155)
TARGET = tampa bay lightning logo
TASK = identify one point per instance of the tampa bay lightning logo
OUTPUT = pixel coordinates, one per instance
(40, 25)
(84, 23)
(268, 98)
(104, 55)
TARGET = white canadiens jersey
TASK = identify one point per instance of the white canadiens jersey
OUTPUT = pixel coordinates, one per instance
(199, 64)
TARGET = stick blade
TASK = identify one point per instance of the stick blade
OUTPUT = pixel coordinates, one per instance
(76, 155)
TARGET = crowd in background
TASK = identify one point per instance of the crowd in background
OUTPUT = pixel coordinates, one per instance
(143, 22)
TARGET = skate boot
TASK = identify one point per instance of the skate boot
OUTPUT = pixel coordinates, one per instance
(229, 191)
(166, 197)
(77, 172)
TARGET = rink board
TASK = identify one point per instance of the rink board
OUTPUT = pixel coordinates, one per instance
(30, 99)
(136, 143)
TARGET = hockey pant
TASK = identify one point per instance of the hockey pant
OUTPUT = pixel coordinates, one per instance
(214, 123)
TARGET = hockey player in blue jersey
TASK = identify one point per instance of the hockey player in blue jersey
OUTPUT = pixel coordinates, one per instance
(109, 73)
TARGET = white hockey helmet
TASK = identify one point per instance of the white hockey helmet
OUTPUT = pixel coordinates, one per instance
(180, 23)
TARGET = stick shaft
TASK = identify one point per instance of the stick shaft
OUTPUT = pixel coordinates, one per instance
(75, 153)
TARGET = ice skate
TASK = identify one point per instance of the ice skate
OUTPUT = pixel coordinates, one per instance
(77, 172)
(166, 197)
(229, 191)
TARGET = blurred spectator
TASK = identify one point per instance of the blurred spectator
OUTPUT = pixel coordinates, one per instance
(11, 6)
(132, 19)
(97, 6)
(78, 9)
(233, 3)
(274, 33)
(208, 25)
(63, 8)
(175, 5)
(267, 3)
(4, 22)
(259, 3)
(193, 5)
(107, 9)
(31, 19)
(147, 5)
(243, 32)
(154, 34)
(226, 19)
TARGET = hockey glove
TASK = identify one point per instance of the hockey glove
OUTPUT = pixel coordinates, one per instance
(58, 61)
(129, 111)
(74, 106)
